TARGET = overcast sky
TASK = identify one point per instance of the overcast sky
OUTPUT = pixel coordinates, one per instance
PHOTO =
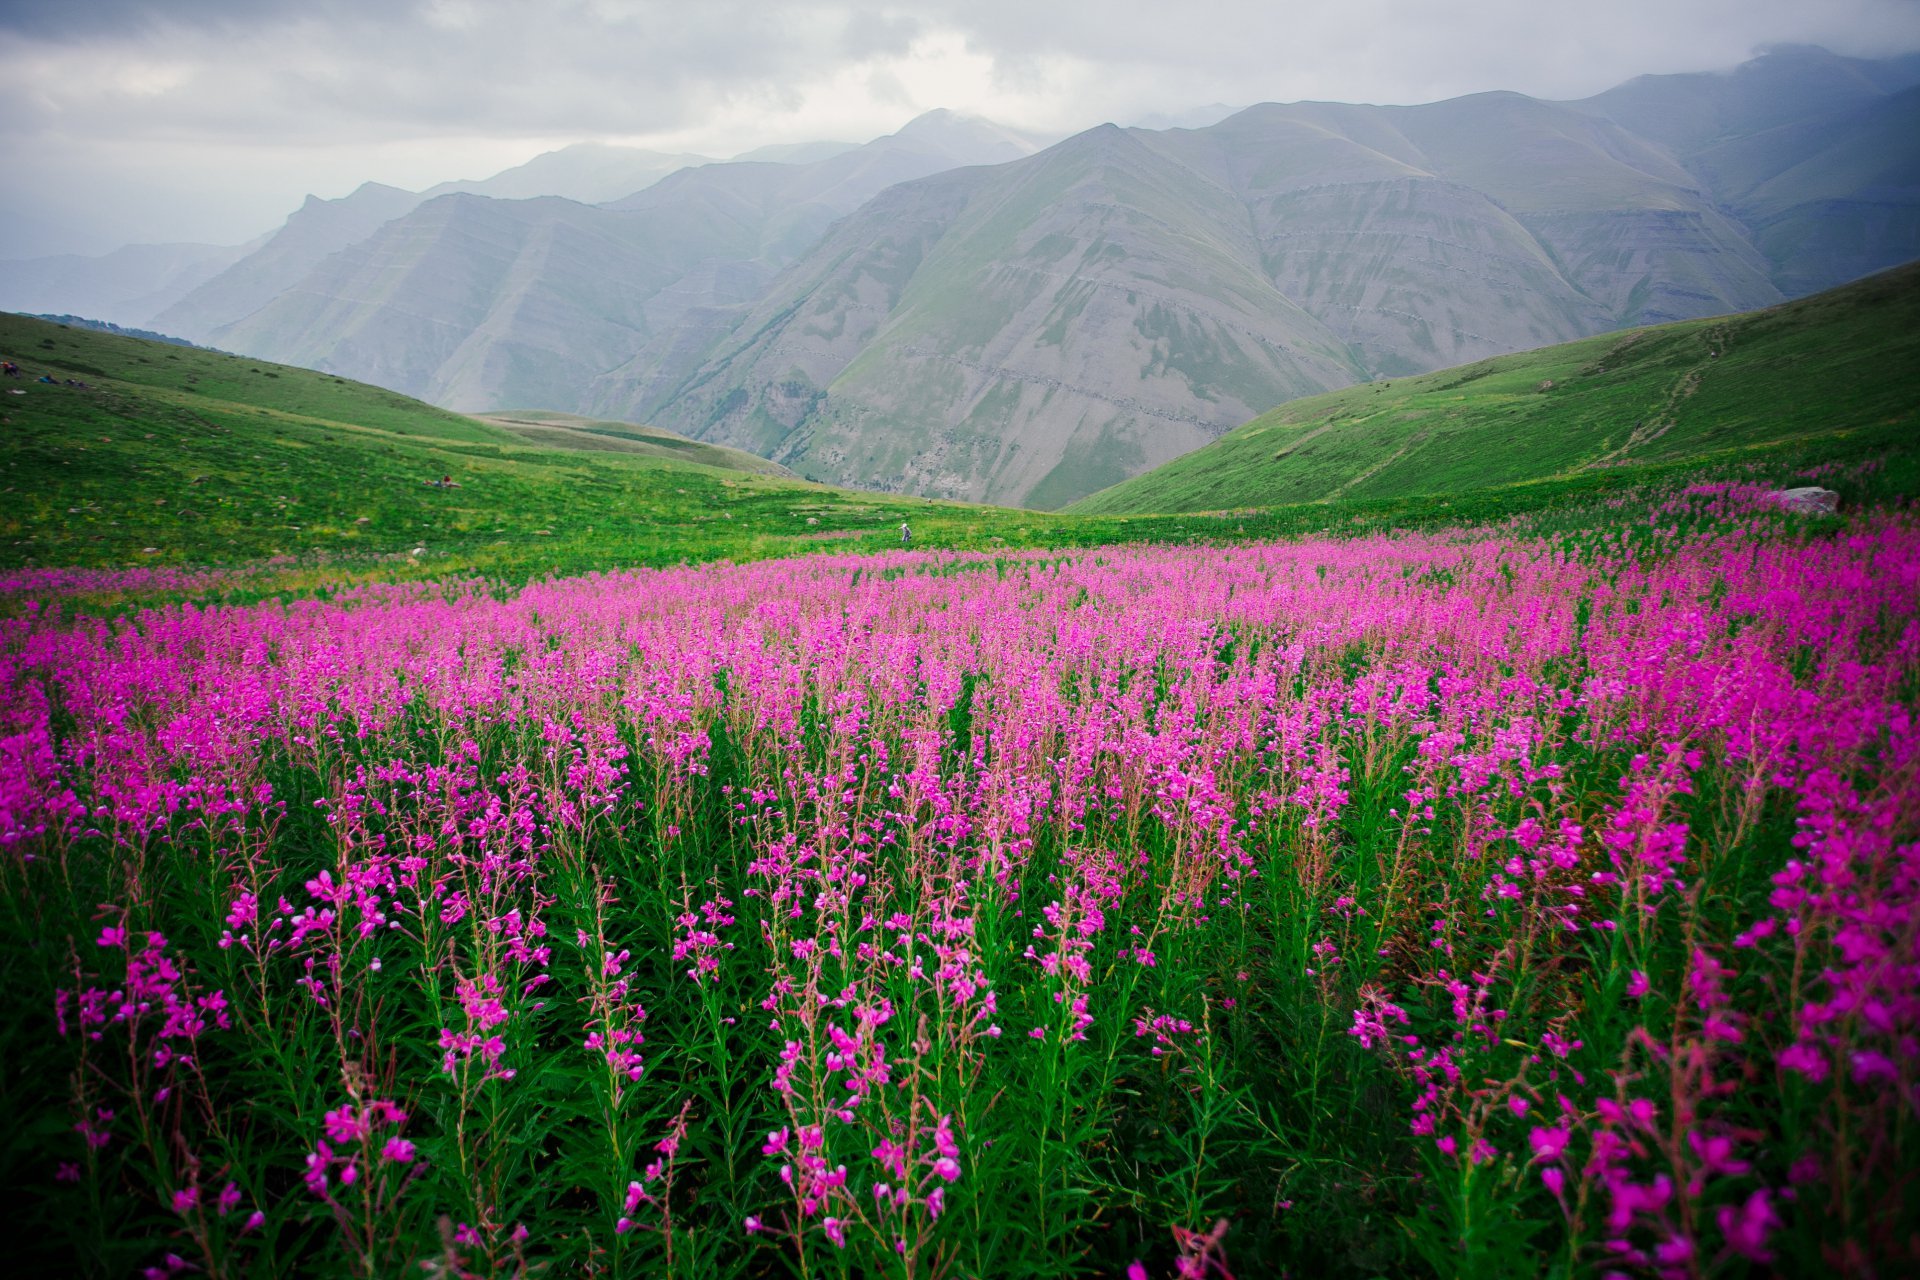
(210, 120)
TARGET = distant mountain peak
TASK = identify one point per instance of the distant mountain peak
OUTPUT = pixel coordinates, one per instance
(364, 191)
(1788, 52)
(796, 152)
(945, 125)
(944, 120)
(1190, 118)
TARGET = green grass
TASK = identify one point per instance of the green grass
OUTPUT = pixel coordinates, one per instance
(193, 376)
(178, 456)
(572, 431)
(1844, 363)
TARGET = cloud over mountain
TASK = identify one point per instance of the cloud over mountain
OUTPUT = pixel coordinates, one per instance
(214, 115)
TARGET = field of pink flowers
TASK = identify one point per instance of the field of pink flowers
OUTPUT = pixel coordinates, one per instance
(1475, 903)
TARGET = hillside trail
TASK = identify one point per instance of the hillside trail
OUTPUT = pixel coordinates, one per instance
(1652, 428)
(1414, 441)
(1294, 445)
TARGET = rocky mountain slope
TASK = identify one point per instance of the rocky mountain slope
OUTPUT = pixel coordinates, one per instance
(1032, 332)
(207, 287)
(588, 173)
(1813, 153)
(474, 303)
(312, 232)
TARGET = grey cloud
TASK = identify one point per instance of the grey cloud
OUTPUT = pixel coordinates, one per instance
(98, 19)
(209, 79)
(388, 69)
(391, 67)
(868, 33)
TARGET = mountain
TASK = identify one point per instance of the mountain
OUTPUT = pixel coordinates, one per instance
(800, 200)
(797, 152)
(1842, 362)
(126, 286)
(1813, 152)
(589, 172)
(1029, 333)
(1508, 221)
(315, 230)
(1057, 311)
(198, 289)
(1828, 200)
(475, 303)
(1191, 118)
(1788, 84)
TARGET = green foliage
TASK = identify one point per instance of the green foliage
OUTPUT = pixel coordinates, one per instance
(1819, 371)
(177, 456)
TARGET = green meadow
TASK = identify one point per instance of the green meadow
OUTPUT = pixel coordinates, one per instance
(1839, 371)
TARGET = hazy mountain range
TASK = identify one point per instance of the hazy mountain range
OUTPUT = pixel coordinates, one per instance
(129, 286)
(136, 283)
(1032, 332)
(477, 303)
(950, 310)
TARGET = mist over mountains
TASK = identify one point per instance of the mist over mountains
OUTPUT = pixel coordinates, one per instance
(951, 311)
(477, 303)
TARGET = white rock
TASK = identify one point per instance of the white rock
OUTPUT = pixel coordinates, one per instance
(1810, 500)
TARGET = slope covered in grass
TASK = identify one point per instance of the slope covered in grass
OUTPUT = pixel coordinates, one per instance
(572, 431)
(179, 456)
(171, 455)
(165, 372)
(1846, 361)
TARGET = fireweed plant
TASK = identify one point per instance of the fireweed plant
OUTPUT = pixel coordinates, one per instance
(1492, 902)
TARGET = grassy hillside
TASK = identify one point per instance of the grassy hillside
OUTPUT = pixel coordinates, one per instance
(193, 376)
(1846, 361)
(571, 431)
(180, 456)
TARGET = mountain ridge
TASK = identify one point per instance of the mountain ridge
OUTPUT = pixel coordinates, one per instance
(1479, 254)
(475, 333)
